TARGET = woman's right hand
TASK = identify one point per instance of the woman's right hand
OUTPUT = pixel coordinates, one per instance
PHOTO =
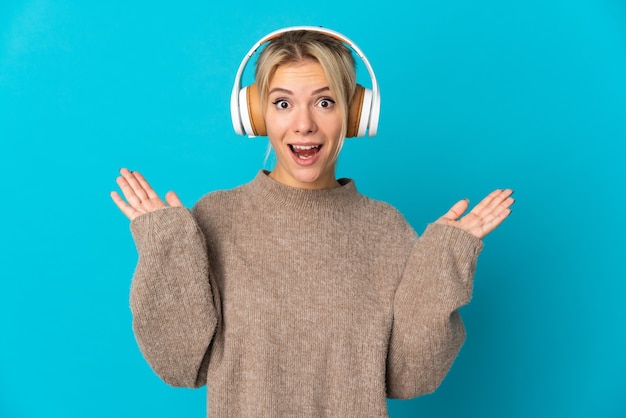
(140, 198)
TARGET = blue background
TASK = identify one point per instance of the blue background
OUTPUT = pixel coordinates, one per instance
(476, 95)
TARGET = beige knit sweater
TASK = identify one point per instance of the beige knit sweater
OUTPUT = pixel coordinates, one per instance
(293, 302)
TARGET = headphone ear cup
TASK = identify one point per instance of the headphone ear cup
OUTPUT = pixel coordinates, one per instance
(354, 112)
(359, 112)
(250, 111)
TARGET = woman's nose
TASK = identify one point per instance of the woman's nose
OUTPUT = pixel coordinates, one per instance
(304, 122)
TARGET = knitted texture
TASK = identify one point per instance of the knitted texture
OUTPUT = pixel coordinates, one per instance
(293, 302)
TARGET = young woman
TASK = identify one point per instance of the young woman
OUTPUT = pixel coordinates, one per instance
(294, 294)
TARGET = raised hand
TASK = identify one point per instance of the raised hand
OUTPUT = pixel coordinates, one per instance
(139, 195)
(484, 217)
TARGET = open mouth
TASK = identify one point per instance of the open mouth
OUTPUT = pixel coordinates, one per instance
(305, 152)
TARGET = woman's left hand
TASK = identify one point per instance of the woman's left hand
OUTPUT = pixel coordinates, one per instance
(484, 217)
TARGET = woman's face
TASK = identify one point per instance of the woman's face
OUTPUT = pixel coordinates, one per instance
(303, 124)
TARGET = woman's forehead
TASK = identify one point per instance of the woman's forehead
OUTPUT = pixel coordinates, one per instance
(301, 73)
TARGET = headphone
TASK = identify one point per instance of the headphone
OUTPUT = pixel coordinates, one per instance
(245, 103)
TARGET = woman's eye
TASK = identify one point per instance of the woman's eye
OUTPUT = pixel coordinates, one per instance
(281, 104)
(326, 103)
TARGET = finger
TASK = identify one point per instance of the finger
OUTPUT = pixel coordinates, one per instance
(173, 200)
(134, 183)
(502, 197)
(128, 191)
(150, 193)
(123, 206)
(457, 210)
(486, 201)
(491, 202)
(503, 206)
(498, 206)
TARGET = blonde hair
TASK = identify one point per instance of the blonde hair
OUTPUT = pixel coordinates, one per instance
(300, 45)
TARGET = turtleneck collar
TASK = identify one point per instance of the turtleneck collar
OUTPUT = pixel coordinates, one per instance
(273, 193)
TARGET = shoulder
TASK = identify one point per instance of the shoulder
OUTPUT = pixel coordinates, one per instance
(382, 217)
(380, 210)
(216, 211)
(218, 200)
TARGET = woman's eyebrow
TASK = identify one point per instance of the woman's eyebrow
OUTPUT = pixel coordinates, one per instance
(287, 91)
(280, 90)
(320, 90)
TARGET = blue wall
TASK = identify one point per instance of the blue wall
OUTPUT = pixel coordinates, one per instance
(476, 95)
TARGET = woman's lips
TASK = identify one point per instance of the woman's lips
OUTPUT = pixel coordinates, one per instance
(305, 152)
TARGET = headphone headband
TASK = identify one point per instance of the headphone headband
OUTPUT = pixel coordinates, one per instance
(368, 122)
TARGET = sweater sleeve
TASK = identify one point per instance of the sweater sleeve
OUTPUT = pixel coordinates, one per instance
(427, 331)
(172, 303)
